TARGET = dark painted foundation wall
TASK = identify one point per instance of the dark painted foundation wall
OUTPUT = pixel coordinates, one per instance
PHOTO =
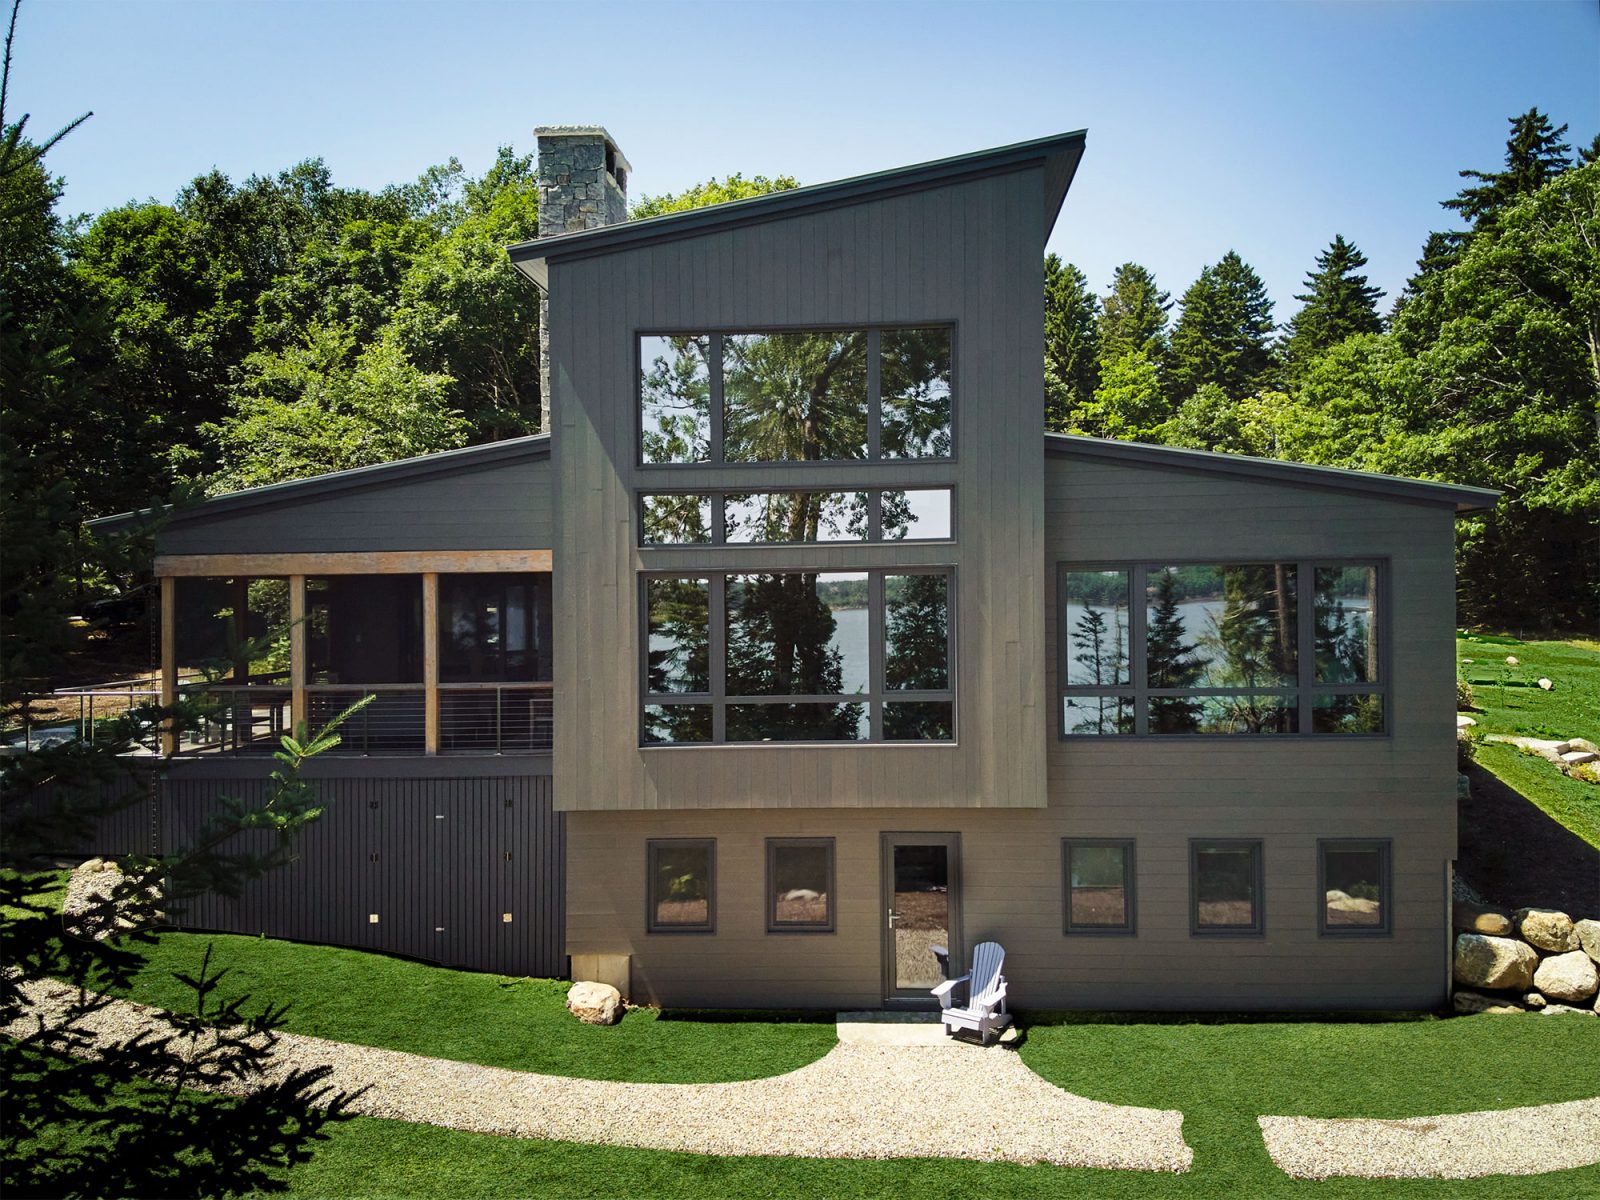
(442, 860)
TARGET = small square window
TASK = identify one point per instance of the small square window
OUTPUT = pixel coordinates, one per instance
(1354, 887)
(1225, 887)
(800, 885)
(682, 884)
(1099, 885)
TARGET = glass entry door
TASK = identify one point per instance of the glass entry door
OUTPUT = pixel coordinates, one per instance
(921, 909)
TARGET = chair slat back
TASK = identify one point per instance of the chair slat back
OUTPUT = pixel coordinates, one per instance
(987, 959)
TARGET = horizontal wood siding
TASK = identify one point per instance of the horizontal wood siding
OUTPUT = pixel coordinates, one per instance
(968, 254)
(1160, 793)
(503, 507)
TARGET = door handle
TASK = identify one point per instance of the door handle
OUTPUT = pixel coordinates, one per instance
(893, 917)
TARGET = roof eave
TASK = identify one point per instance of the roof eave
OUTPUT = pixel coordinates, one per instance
(1061, 152)
(1463, 498)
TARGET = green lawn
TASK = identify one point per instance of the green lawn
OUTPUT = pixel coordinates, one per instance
(1221, 1074)
(376, 1000)
(1508, 700)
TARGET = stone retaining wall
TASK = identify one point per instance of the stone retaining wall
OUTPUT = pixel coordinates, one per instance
(1532, 960)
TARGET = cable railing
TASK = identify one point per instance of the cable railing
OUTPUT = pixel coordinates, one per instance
(495, 718)
(394, 722)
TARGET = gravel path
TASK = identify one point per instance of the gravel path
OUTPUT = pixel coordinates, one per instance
(1511, 1141)
(857, 1101)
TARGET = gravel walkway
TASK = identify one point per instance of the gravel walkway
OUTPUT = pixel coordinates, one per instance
(1511, 1141)
(857, 1101)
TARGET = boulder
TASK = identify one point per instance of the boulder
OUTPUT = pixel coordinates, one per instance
(1547, 929)
(1558, 1010)
(1496, 963)
(1570, 977)
(1476, 919)
(1575, 758)
(1583, 744)
(1475, 1002)
(1588, 937)
(595, 1003)
(1534, 1000)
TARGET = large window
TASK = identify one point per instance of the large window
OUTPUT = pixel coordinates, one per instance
(683, 885)
(799, 885)
(494, 628)
(812, 396)
(1225, 887)
(1353, 883)
(1242, 648)
(788, 517)
(798, 656)
(1099, 885)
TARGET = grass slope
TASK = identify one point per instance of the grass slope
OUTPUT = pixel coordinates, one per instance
(1507, 700)
(1222, 1075)
(375, 1000)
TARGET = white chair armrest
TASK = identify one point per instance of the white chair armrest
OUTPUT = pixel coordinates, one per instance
(945, 989)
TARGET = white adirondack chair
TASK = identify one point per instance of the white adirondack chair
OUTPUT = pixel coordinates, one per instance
(985, 1009)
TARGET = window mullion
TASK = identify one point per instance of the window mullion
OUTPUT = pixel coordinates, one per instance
(1138, 650)
(716, 399)
(719, 656)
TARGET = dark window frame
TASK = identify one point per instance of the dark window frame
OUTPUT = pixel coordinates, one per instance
(874, 455)
(652, 873)
(875, 697)
(1130, 925)
(773, 845)
(719, 523)
(1258, 926)
(1304, 691)
(1385, 848)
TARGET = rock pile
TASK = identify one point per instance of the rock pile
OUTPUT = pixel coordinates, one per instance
(1536, 959)
(1577, 758)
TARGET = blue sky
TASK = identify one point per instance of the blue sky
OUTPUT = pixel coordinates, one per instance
(1263, 127)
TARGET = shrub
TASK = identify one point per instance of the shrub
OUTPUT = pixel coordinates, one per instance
(1464, 696)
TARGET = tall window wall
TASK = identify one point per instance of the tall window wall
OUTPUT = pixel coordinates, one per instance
(785, 650)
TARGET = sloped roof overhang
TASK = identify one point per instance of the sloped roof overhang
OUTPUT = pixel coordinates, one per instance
(1462, 498)
(1058, 155)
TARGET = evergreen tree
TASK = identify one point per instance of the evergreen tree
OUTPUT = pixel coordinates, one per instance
(1070, 369)
(1339, 303)
(1170, 661)
(1535, 154)
(1222, 335)
(1133, 316)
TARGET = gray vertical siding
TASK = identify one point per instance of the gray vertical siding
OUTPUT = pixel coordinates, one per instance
(439, 860)
(965, 253)
(501, 507)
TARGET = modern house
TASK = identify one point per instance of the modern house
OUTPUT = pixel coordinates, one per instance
(797, 646)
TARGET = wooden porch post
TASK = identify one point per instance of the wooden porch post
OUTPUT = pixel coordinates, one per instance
(297, 652)
(430, 661)
(169, 660)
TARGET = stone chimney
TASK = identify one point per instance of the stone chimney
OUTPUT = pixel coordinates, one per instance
(583, 184)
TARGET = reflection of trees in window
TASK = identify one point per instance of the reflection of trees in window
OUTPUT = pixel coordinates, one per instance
(672, 519)
(675, 399)
(1170, 661)
(679, 653)
(680, 883)
(916, 632)
(782, 642)
(1346, 643)
(796, 516)
(794, 397)
(494, 627)
(914, 374)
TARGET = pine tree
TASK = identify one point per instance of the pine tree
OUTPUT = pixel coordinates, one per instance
(1339, 303)
(1070, 352)
(1170, 661)
(1535, 154)
(1222, 335)
(1133, 316)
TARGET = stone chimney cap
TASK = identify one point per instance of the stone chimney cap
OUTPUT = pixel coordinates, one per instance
(585, 131)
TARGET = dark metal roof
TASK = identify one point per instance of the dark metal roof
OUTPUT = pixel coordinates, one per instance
(1058, 155)
(423, 466)
(1273, 470)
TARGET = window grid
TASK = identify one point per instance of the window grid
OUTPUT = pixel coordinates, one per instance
(719, 517)
(875, 697)
(717, 397)
(1305, 691)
